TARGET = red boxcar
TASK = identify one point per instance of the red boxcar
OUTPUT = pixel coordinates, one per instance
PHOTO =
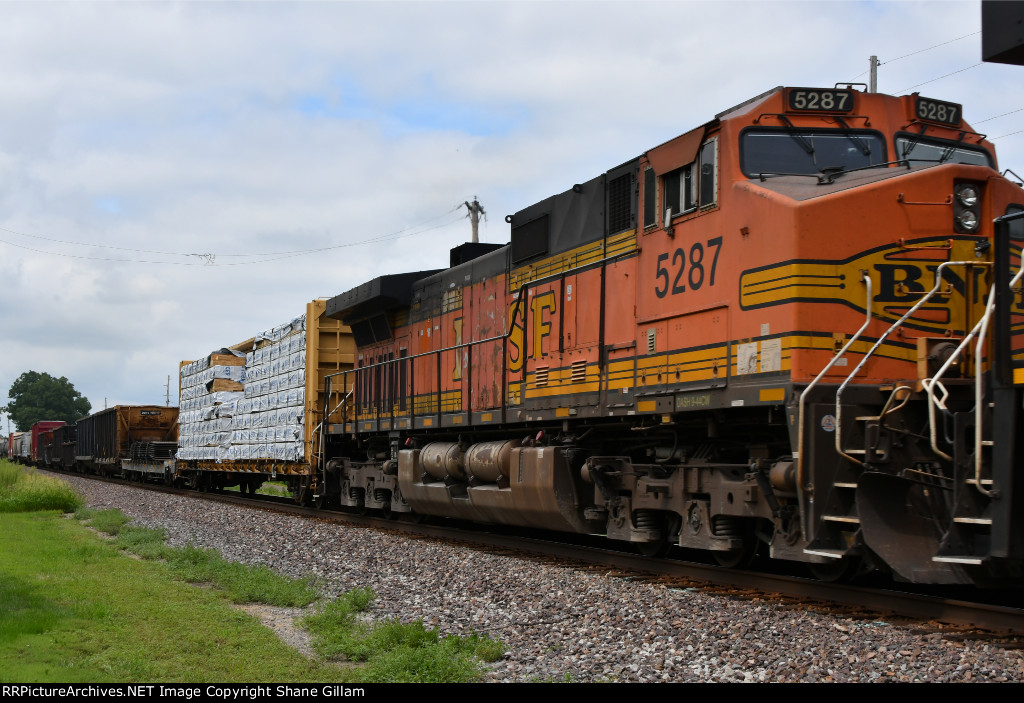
(35, 456)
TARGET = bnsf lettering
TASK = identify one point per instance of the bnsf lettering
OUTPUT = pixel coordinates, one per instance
(457, 325)
(515, 339)
(541, 325)
(898, 283)
(906, 283)
(690, 268)
(542, 306)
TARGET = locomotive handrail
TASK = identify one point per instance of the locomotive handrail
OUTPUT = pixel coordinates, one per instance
(866, 279)
(979, 330)
(321, 427)
(520, 295)
(896, 325)
(432, 352)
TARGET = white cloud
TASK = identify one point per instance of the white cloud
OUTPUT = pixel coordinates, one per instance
(255, 128)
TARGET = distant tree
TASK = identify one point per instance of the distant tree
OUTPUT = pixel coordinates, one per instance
(39, 396)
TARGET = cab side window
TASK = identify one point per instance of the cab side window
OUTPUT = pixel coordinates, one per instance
(694, 185)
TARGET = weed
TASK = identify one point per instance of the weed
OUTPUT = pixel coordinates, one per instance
(75, 609)
(146, 542)
(108, 521)
(22, 491)
(394, 651)
(243, 584)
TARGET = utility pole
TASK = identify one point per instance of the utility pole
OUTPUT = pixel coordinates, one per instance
(475, 210)
(873, 83)
(168, 401)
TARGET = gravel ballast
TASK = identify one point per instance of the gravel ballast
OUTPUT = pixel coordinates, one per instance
(562, 623)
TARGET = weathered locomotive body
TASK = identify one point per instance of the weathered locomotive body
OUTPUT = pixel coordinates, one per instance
(762, 333)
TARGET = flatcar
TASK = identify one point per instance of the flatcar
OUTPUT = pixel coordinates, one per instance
(794, 331)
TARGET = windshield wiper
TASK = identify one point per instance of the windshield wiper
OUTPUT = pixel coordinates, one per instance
(951, 149)
(797, 137)
(915, 139)
(852, 136)
(764, 176)
(828, 175)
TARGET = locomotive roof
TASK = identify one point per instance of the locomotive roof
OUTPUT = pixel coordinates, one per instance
(382, 293)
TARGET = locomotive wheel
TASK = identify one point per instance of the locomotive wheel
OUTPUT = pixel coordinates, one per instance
(740, 558)
(657, 549)
(836, 570)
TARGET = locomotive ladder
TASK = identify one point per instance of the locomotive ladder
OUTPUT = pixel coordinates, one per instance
(840, 522)
(984, 520)
(899, 397)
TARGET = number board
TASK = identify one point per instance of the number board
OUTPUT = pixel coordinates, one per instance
(819, 100)
(937, 111)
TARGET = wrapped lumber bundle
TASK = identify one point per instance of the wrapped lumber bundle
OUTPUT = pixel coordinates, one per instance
(254, 406)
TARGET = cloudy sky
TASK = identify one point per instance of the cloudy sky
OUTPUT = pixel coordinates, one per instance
(176, 177)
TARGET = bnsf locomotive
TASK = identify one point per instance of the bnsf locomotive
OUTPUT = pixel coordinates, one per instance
(794, 330)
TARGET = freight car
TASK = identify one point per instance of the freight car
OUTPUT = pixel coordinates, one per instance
(793, 331)
(41, 434)
(52, 450)
(22, 448)
(25, 446)
(134, 441)
(251, 412)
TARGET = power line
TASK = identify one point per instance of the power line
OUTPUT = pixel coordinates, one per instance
(936, 46)
(973, 122)
(992, 139)
(919, 51)
(904, 90)
(205, 254)
(209, 259)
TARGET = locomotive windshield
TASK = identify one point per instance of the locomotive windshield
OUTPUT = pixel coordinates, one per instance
(917, 151)
(809, 152)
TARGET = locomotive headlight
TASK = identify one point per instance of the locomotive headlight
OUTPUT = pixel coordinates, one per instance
(967, 207)
(967, 220)
(967, 195)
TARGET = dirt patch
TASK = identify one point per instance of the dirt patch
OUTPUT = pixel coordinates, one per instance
(283, 622)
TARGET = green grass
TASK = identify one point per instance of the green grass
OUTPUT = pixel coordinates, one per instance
(28, 491)
(109, 521)
(76, 608)
(395, 652)
(241, 583)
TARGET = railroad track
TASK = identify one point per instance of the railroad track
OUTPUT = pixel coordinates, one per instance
(939, 611)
